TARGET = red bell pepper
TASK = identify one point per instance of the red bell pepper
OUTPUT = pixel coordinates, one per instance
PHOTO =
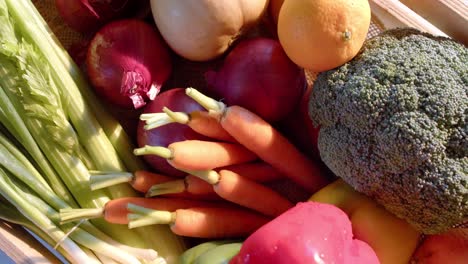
(310, 232)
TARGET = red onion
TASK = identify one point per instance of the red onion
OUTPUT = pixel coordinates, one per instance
(300, 130)
(258, 75)
(176, 100)
(87, 16)
(127, 62)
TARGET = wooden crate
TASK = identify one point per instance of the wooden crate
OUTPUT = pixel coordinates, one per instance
(439, 17)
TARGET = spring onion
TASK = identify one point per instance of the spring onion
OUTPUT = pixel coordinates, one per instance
(27, 187)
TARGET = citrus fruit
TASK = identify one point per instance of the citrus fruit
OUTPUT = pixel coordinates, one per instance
(320, 35)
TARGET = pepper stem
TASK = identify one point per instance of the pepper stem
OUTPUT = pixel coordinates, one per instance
(176, 186)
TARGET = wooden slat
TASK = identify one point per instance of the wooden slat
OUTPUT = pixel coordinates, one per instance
(450, 16)
(392, 14)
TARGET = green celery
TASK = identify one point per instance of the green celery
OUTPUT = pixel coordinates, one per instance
(11, 118)
(113, 129)
(11, 149)
(95, 141)
(42, 108)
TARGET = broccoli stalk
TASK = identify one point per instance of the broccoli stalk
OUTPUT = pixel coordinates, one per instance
(393, 124)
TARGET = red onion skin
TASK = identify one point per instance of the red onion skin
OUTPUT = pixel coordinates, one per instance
(77, 15)
(176, 100)
(87, 16)
(128, 62)
(258, 75)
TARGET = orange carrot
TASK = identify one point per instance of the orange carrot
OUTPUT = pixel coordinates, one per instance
(140, 180)
(265, 141)
(258, 171)
(195, 185)
(190, 185)
(199, 154)
(143, 180)
(202, 222)
(115, 211)
(245, 192)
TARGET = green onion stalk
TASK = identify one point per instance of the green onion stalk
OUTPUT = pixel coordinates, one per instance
(9, 213)
(42, 221)
(71, 232)
(24, 185)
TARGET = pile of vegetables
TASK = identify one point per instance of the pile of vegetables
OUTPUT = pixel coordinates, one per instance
(54, 131)
(201, 174)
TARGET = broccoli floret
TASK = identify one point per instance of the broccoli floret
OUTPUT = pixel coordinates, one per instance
(393, 124)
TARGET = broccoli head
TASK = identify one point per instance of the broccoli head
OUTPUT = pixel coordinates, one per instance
(393, 124)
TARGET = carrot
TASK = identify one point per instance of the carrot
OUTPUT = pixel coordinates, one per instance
(115, 211)
(258, 171)
(199, 154)
(245, 192)
(140, 180)
(190, 184)
(143, 180)
(201, 222)
(264, 140)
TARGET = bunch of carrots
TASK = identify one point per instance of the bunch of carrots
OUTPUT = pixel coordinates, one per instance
(224, 194)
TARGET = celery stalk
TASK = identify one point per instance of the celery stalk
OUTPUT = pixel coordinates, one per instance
(114, 131)
(10, 149)
(41, 105)
(97, 143)
(8, 161)
(13, 121)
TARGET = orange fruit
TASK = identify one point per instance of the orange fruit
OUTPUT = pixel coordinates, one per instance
(320, 35)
